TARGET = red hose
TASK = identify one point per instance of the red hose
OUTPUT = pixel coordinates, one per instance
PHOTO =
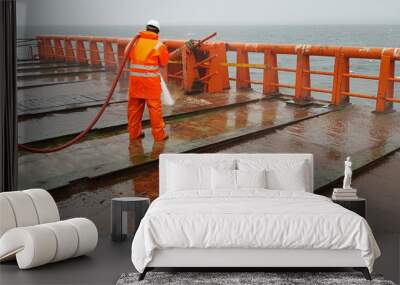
(96, 118)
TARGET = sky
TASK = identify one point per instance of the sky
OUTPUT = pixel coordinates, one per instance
(207, 12)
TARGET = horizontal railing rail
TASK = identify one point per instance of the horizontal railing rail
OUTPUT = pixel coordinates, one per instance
(85, 49)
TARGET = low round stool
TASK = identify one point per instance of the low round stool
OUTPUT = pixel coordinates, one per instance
(126, 214)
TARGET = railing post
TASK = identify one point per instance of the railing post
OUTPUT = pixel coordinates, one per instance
(59, 51)
(121, 53)
(223, 70)
(120, 59)
(69, 51)
(341, 83)
(46, 55)
(242, 73)
(215, 82)
(94, 53)
(109, 58)
(31, 52)
(385, 85)
(49, 52)
(41, 48)
(271, 77)
(81, 52)
(175, 70)
(303, 79)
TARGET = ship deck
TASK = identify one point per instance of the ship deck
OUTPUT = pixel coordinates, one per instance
(57, 100)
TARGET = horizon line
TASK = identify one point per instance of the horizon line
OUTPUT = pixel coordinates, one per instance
(222, 25)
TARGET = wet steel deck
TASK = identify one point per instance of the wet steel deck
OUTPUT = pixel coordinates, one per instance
(330, 137)
(111, 151)
(81, 112)
(44, 66)
(64, 97)
(56, 72)
(45, 76)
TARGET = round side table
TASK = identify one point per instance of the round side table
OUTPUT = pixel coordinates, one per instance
(126, 214)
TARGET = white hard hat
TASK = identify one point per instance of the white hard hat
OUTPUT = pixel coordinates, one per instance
(153, 23)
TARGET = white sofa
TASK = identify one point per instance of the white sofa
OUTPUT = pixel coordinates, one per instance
(31, 231)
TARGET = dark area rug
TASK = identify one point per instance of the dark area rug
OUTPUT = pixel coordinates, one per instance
(230, 278)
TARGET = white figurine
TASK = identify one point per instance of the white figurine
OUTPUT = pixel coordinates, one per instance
(347, 174)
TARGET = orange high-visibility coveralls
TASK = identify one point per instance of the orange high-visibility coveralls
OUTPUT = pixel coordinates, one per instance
(146, 57)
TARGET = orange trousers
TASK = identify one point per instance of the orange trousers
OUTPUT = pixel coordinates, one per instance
(135, 114)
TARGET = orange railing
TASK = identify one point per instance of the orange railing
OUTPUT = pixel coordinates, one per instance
(85, 49)
(340, 74)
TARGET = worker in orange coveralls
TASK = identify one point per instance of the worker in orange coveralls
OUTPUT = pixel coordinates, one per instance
(147, 57)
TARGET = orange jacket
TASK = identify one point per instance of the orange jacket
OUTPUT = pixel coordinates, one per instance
(146, 57)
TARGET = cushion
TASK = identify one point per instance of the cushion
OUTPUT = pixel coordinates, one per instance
(228, 179)
(188, 175)
(23, 208)
(251, 179)
(87, 233)
(223, 179)
(183, 177)
(45, 205)
(285, 174)
(67, 239)
(7, 218)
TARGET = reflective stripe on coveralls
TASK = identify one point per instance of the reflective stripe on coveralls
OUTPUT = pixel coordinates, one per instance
(154, 70)
(145, 67)
(144, 74)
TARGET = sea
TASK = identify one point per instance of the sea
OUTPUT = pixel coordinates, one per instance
(344, 35)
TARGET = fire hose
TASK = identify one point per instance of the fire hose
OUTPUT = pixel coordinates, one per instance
(192, 44)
